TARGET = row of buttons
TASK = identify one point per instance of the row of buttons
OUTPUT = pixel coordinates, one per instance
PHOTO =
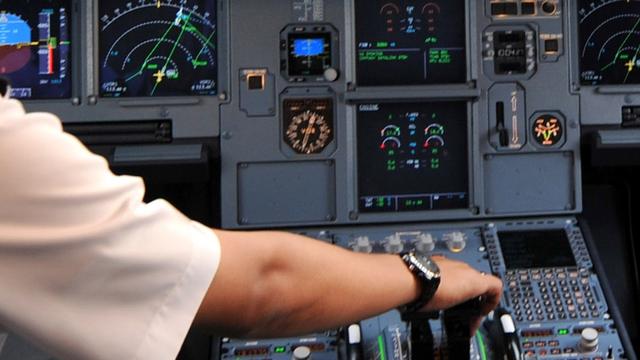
(567, 296)
(544, 352)
(541, 343)
(526, 8)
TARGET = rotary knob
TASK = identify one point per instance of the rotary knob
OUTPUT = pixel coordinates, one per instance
(589, 340)
(362, 244)
(456, 241)
(425, 243)
(301, 353)
(393, 244)
(331, 74)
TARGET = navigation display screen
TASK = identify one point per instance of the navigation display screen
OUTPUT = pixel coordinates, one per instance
(413, 156)
(158, 48)
(35, 48)
(404, 42)
(536, 249)
(309, 54)
(609, 42)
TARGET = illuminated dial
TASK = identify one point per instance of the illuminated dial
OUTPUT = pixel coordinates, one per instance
(434, 141)
(308, 125)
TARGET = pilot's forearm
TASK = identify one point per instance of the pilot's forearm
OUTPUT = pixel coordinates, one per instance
(274, 283)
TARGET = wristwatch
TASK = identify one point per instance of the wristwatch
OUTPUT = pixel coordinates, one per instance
(428, 275)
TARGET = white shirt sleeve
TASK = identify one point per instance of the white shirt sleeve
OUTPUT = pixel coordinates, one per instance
(87, 270)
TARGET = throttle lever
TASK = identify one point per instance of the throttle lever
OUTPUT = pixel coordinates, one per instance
(457, 324)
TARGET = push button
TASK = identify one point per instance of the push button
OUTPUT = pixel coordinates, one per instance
(511, 8)
(551, 46)
(497, 8)
(255, 82)
(528, 8)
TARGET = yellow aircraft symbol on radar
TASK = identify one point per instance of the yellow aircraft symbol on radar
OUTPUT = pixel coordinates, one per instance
(159, 76)
(630, 65)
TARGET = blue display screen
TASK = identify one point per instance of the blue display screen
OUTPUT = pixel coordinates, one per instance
(308, 47)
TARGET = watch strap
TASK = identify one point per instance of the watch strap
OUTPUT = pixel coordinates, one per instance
(428, 275)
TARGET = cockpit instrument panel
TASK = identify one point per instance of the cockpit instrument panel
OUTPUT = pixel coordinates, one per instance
(35, 48)
(402, 42)
(609, 42)
(412, 156)
(158, 48)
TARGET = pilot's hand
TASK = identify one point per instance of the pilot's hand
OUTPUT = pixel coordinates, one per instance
(460, 282)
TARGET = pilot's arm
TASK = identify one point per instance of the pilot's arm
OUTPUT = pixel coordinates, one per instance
(89, 271)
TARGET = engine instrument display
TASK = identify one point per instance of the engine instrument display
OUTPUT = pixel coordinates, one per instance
(609, 42)
(412, 156)
(308, 127)
(35, 48)
(405, 42)
(158, 48)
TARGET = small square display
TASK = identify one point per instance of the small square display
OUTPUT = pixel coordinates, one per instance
(536, 249)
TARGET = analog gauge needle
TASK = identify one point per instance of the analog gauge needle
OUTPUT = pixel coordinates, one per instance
(308, 131)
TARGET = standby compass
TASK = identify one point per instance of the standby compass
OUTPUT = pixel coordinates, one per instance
(308, 125)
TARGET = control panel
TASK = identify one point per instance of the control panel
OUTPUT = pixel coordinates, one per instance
(553, 307)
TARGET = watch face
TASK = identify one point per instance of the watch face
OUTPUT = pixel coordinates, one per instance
(431, 266)
(427, 266)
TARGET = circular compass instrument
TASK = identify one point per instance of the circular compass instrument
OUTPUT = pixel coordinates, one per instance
(308, 125)
(609, 42)
(158, 48)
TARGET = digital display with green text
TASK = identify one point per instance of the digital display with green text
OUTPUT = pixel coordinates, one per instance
(410, 42)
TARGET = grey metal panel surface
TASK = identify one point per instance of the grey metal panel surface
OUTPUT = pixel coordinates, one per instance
(286, 192)
(527, 183)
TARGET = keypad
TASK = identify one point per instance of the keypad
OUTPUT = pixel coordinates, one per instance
(551, 294)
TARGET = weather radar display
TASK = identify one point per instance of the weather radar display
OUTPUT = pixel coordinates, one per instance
(35, 51)
(158, 48)
(609, 42)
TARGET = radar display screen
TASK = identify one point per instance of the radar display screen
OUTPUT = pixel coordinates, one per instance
(536, 249)
(404, 42)
(609, 42)
(158, 48)
(412, 156)
(35, 48)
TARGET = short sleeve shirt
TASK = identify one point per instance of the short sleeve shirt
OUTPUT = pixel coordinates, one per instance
(87, 269)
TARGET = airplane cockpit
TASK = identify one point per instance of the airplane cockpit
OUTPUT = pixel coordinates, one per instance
(502, 133)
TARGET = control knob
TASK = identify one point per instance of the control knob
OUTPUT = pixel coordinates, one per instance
(393, 244)
(362, 244)
(331, 74)
(456, 241)
(589, 340)
(424, 243)
(301, 353)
